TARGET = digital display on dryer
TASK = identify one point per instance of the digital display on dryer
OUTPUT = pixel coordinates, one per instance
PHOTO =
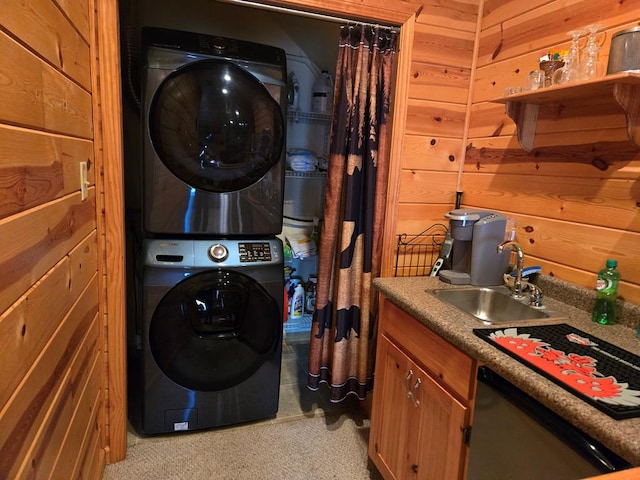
(255, 252)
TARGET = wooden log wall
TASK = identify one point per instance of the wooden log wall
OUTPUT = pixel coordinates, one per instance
(575, 195)
(51, 334)
(432, 148)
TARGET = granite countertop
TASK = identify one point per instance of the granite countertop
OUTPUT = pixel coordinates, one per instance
(621, 436)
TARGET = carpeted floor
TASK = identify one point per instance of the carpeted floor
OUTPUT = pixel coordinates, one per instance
(309, 438)
(330, 447)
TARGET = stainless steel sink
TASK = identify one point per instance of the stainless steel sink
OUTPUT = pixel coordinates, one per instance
(493, 305)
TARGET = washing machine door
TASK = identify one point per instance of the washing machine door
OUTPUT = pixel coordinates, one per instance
(214, 330)
(215, 126)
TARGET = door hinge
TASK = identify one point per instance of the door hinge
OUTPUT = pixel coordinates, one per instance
(466, 435)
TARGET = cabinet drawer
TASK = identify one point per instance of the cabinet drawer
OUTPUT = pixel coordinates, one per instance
(440, 358)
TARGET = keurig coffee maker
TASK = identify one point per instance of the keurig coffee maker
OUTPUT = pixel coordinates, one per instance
(474, 258)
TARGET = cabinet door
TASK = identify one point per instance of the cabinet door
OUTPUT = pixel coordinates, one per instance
(391, 422)
(441, 449)
(417, 428)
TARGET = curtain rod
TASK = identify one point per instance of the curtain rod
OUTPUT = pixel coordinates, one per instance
(302, 13)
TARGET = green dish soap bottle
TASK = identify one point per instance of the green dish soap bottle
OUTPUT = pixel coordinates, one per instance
(604, 311)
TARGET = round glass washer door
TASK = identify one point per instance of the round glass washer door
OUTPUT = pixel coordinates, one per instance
(214, 330)
(215, 126)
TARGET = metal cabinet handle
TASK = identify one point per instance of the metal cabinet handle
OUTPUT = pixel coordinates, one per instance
(414, 394)
(407, 381)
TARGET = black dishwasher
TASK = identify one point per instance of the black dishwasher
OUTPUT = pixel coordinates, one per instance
(515, 437)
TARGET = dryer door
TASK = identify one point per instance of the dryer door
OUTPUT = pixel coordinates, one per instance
(215, 126)
(214, 330)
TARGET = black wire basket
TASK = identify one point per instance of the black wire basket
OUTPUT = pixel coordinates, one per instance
(416, 253)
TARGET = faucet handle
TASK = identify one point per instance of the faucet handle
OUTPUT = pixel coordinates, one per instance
(535, 300)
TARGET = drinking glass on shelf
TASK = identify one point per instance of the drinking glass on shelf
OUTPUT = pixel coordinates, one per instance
(590, 65)
(571, 70)
(535, 80)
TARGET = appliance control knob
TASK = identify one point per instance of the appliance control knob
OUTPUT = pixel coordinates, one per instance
(218, 44)
(218, 253)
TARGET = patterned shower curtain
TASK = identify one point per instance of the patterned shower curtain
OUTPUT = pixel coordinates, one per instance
(342, 345)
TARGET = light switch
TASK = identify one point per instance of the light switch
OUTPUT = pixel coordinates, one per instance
(83, 181)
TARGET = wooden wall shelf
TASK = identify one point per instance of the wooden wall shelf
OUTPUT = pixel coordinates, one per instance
(622, 88)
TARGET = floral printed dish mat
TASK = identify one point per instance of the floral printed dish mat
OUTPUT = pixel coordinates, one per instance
(600, 373)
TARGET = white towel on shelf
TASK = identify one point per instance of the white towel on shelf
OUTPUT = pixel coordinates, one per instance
(301, 160)
(304, 165)
(301, 246)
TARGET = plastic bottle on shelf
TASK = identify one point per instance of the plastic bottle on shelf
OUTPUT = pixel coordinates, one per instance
(290, 284)
(310, 297)
(293, 91)
(322, 92)
(604, 310)
(297, 303)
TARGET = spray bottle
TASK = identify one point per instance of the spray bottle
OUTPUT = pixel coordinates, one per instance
(297, 303)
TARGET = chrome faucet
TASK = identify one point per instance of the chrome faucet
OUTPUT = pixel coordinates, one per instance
(516, 291)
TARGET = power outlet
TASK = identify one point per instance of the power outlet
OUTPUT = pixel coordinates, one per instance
(83, 181)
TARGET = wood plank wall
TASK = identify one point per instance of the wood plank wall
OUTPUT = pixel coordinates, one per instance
(432, 140)
(575, 196)
(51, 335)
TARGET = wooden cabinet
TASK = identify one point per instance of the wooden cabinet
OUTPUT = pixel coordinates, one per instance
(422, 425)
(423, 393)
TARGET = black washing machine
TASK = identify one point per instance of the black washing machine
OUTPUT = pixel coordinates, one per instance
(210, 348)
(213, 134)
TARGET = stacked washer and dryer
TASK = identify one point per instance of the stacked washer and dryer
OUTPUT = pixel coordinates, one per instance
(210, 316)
